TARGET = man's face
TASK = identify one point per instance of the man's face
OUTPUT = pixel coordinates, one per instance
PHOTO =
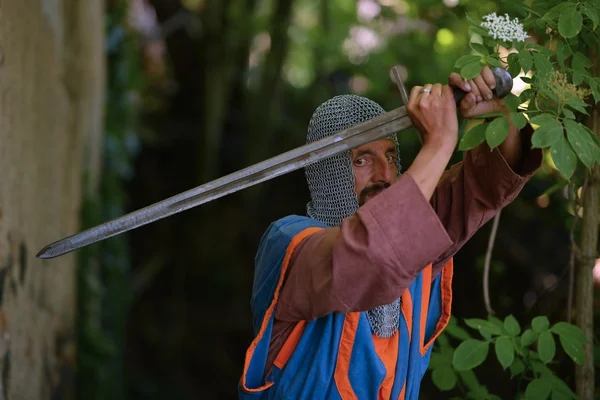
(374, 166)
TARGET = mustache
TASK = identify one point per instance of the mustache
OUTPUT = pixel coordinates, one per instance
(377, 187)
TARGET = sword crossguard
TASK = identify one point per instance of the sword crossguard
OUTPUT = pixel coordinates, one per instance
(400, 84)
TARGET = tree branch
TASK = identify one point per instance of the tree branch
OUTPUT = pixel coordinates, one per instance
(574, 250)
(486, 268)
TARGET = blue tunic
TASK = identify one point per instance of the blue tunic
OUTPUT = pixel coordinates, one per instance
(337, 356)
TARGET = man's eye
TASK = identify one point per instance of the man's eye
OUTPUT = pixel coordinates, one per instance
(390, 159)
(360, 161)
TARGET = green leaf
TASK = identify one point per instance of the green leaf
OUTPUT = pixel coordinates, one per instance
(595, 149)
(514, 67)
(577, 77)
(557, 384)
(471, 70)
(512, 102)
(515, 7)
(512, 325)
(478, 30)
(457, 332)
(563, 51)
(525, 95)
(558, 395)
(573, 347)
(485, 333)
(570, 23)
(564, 158)
(473, 138)
(473, 20)
(527, 79)
(592, 13)
(464, 60)
(505, 351)
(436, 360)
(547, 135)
(525, 60)
(540, 49)
(581, 142)
(493, 61)
(546, 347)
(470, 354)
(590, 39)
(555, 11)
(443, 340)
(444, 378)
(544, 120)
(496, 321)
(469, 379)
(541, 6)
(528, 337)
(517, 368)
(537, 389)
(518, 119)
(568, 113)
(580, 62)
(542, 64)
(477, 323)
(478, 47)
(540, 323)
(577, 104)
(569, 330)
(496, 132)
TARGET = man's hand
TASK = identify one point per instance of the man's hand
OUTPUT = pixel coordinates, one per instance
(479, 99)
(433, 112)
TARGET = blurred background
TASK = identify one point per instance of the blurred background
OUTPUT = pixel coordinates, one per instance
(192, 90)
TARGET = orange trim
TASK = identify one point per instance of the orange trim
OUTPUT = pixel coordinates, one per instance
(290, 345)
(403, 392)
(342, 381)
(387, 350)
(407, 311)
(446, 288)
(284, 265)
(425, 294)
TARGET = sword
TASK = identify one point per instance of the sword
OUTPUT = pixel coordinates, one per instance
(379, 127)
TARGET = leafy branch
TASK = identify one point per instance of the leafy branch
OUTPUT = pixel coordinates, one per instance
(524, 354)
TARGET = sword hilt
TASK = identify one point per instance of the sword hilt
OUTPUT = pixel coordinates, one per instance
(504, 84)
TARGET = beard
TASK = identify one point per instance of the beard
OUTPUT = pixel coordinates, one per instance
(371, 191)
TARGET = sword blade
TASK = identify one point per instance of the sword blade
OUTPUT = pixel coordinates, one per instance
(347, 139)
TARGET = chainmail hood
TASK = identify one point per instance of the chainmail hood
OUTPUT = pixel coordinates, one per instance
(331, 181)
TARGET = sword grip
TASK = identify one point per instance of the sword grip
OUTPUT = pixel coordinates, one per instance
(503, 87)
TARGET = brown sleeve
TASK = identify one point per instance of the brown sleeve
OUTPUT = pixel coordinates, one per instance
(473, 191)
(369, 260)
(375, 254)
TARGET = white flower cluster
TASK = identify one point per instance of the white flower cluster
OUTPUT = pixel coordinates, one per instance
(503, 28)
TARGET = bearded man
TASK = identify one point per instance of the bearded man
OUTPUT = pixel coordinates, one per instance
(348, 300)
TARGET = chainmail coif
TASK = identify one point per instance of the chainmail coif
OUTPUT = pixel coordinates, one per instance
(331, 182)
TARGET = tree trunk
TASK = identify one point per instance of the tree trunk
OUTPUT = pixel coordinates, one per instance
(262, 102)
(51, 83)
(584, 285)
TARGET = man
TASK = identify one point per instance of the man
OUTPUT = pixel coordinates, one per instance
(348, 300)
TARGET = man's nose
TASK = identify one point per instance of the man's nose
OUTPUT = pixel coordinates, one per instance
(384, 171)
